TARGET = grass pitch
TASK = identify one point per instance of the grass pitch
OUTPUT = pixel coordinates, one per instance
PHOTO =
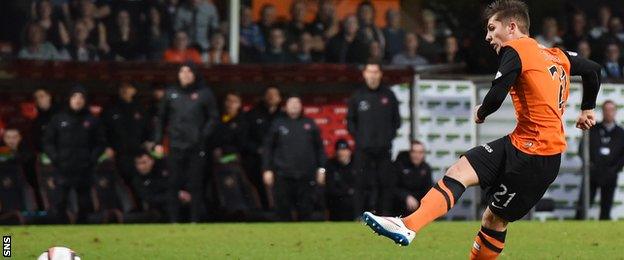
(441, 240)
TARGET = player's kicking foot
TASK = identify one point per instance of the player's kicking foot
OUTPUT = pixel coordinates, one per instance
(389, 227)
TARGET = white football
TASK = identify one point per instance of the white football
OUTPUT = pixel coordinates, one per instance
(59, 253)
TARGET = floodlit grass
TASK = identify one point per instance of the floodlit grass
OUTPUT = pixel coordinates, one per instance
(441, 240)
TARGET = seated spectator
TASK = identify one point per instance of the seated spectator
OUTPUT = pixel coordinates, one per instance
(604, 15)
(54, 28)
(429, 41)
(180, 52)
(584, 49)
(414, 177)
(123, 38)
(251, 40)
(268, 22)
(367, 27)
(230, 135)
(612, 67)
(296, 26)
(276, 51)
(22, 156)
(452, 54)
(410, 56)
(325, 24)
(80, 49)
(217, 53)
(305, 53)
(340, 180)
(550, 30)
(375, 52)
(170, 9)
(199, 19)
(577, 31)
(394, 34)
(90, 15)
(150, 184)
(156, 35)
(37, 48)
(348, 46)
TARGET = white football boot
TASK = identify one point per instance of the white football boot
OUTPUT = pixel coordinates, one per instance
(390, 227)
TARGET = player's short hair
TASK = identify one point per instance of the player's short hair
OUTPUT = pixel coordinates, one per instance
(609, 101)
(505, 10)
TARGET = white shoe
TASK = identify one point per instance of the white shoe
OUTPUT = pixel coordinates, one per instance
(390, 227)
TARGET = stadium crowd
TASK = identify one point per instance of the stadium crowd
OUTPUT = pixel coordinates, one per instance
(179, 30)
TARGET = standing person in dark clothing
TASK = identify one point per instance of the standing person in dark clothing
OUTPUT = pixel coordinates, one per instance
(340, 180)
(74, 141)
(414, 178)
(259, 121)
(189, 113)
(45, 110)
(126, 129)
(24, 158)
(606, 156)
(230, 136)
(373, 120)
(293, 153)
(150, 184)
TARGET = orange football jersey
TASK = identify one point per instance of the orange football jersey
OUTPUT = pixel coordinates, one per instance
(539, 97)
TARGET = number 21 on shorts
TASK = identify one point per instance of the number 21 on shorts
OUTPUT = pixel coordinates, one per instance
(502, 198)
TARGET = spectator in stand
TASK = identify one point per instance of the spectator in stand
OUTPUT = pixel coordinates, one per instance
(156, 35)
(367, 27)
(375, 53)
(188, 113)
(348, 46)
(231, 133)
(217, 53)
(612, 67)
(550, 31)
(296, 26)
(74, 140)
(170, 9)
(259, 120)
(150, 184)
(414, 178)
(23, 156)
(373, 119)
(325, 25)
(251, 38)
(394, 34)
(429, 42)
(410, 56)
(268, 21)
(577, 31)
(180, 52)
(604, 15)
(38, 48)
(305, 53)
(293, 156)
(126, 126)
(54, 28)
(90, 15)
(276, 52)
(340, 179)
(616, 31)
(81, 49)
(199, 19)
(45, 110)
(124, 38)
(451, 54)
(584, 49)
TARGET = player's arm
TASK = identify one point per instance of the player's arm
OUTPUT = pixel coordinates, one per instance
(590, 75)
(508, 71)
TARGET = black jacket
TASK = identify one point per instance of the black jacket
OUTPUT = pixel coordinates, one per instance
(340, 180)
(231, 136)
(39, 125)
(373, 117)
(74, 139)
(152, 188)
(293, 148)
(189, 115)
(259, 121)
(412, 179)
(338, 50)
(606, 152)
(126, 126)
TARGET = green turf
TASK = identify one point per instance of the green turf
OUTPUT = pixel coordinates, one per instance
(441, 240)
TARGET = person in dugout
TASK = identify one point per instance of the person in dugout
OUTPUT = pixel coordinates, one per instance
(413, 178)
(150, 183)
(340, 179)
(189, 113)
(293, 157)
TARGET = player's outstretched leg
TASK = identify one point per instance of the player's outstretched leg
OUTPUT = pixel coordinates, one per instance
(490, 240)
(437, 202)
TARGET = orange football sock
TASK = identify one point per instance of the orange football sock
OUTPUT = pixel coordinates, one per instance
(488, 244)
(437, 202)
